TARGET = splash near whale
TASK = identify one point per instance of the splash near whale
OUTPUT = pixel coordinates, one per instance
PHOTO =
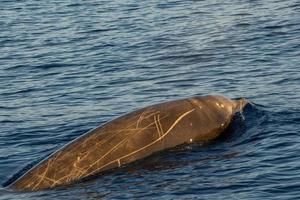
(132, 137)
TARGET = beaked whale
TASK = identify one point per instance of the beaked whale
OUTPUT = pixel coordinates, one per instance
(132, 137)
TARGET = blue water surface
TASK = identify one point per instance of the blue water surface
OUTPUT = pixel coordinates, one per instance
(69, 66)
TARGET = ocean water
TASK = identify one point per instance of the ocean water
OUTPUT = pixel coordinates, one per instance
(69, 66)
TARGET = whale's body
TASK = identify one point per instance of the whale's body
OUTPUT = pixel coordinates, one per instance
(132, 137)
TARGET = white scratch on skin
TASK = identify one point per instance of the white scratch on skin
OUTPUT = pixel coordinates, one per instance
(160, 126)
(142, 116)
(43, 175)
(119, 163)
(112, 149)
(157, 128)
(78, 169)
(48, 179)
(105, 140)
(69, 177)
(148, 145)
(140, 119)
(171, 127)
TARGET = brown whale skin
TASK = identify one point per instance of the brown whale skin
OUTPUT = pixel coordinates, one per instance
(132, 137)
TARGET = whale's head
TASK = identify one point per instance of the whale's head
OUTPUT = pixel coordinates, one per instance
(229, 105)
(240, 104)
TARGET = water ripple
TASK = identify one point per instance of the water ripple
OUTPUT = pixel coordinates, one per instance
(67, 67)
